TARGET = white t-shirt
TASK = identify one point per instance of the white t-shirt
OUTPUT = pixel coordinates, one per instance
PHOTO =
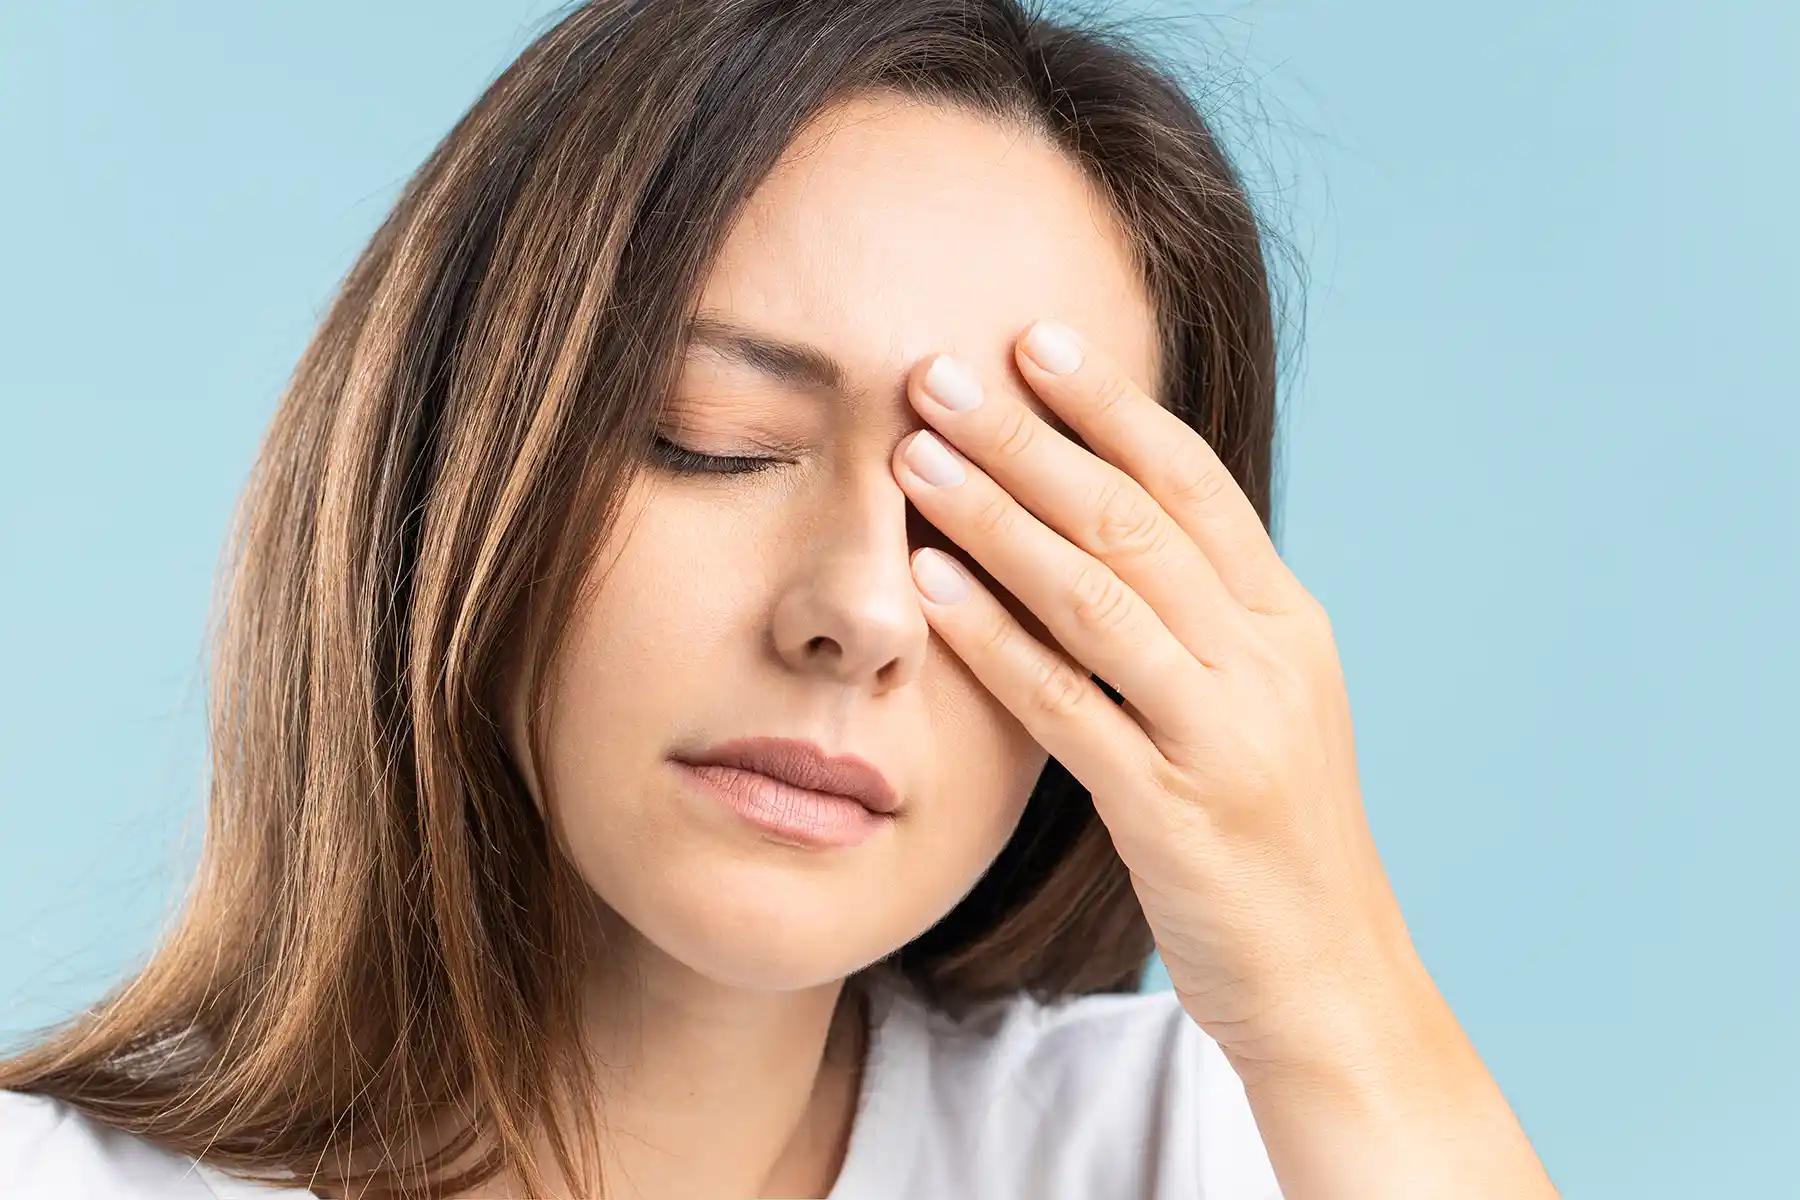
(1116, 1096)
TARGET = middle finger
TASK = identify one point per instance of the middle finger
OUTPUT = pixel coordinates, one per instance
(1091, 502)
(1090, 612)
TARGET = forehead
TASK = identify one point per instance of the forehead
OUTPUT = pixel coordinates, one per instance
(891, 229)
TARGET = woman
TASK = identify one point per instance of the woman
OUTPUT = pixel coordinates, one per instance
(618, 786)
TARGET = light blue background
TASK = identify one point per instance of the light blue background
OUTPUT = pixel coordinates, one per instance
(1540, 466)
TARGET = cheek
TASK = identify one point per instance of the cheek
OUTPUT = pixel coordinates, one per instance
(988, 761)
(640, 649)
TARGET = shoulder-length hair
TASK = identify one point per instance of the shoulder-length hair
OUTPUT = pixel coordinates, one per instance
(382, 926)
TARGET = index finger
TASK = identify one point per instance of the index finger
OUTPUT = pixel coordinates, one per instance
(1123, 425)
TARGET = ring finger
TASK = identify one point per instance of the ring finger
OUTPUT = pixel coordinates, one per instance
(1085, 606)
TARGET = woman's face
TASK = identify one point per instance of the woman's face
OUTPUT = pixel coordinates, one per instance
(779, 603)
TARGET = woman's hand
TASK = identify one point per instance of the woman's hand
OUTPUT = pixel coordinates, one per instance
(1228, 778)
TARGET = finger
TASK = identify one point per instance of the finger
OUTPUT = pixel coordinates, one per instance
(1150, 443)
(1062, 709)
(1090, 612)
(1089, 501)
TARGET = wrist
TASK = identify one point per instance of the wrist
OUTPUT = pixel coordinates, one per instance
(1385, 1095)
(1367, 1034)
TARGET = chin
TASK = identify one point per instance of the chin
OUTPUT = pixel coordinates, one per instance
(770, 925)
(772, 958)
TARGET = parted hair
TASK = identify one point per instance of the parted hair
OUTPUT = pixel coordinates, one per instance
(382, 926)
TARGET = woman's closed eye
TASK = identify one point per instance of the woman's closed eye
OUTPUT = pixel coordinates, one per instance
(683, 461)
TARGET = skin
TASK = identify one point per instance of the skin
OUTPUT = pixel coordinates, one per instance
(887, 231)
(892, 233)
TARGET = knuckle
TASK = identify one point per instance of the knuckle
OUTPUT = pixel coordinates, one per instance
(1057, 689)
(1308, 628)
(1314, 613)
(1110, 392)
(996, 638)
(996, 515)
(1017, 432)
(1100, 600)
(1197, 480)
(1176, 782)
(1127, 523)
(1279, 678)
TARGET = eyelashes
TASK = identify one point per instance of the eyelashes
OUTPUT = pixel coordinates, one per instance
(920, 532)
(683, 461)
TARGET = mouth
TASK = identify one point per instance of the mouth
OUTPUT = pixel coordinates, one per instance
(794, 793)
(805, 766)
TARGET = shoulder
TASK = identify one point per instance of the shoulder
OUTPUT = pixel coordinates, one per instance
(1118, 1094)
(51, 1151)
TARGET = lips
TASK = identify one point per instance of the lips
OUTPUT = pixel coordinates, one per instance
(804, 765)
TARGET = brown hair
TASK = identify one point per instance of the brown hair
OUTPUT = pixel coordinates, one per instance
(382, 926)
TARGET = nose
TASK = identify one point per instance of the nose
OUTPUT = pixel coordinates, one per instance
(848, 611)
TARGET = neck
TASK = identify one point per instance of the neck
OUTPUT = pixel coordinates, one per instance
(715, 1090)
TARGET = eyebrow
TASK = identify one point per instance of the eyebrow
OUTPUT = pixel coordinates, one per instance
(797, 364)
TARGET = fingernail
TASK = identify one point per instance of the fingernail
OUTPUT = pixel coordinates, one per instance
(1055, 347)
(952, 384)
(938, 576)
(932, 463)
